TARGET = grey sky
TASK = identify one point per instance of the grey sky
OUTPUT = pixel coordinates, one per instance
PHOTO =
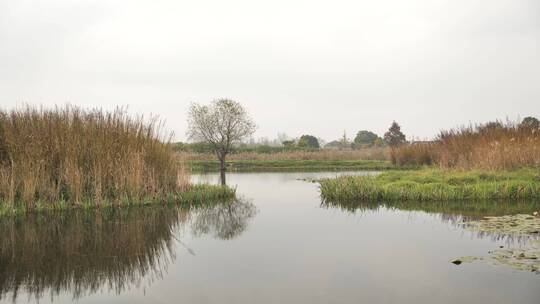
(316, 67)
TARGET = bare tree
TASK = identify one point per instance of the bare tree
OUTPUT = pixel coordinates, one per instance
(220, 124)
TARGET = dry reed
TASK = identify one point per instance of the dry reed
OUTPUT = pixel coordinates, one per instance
(71, 155)
(491, 146)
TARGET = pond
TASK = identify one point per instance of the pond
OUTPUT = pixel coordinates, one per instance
(279, 244)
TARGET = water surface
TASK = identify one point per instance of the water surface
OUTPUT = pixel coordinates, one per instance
(278, 245)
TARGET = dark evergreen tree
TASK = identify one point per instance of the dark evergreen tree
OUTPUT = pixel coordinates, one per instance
(308, 141)
(394, 137)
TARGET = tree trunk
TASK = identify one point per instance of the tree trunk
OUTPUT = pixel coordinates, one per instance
(222, 178)
(222, 169)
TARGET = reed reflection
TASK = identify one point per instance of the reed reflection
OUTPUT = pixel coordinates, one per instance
(457, 212)
(84, 252)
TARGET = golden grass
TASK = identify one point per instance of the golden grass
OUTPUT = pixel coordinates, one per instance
(413, 154)
(71, 155)
(493, 146)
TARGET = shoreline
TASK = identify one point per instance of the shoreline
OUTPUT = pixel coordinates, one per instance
(204, 166)
(198, 195)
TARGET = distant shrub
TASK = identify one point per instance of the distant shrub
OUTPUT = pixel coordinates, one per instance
(530, 123)
(308, 141)
(366, 138)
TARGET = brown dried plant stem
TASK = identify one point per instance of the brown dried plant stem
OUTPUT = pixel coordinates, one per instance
(71, 155)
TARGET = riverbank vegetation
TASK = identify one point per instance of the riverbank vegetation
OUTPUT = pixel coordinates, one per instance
(67, 157)
(223, 130)
(490, 146)
(291, 165)
(375, 153)
(375, 158)
(433, 185)
(487, 161)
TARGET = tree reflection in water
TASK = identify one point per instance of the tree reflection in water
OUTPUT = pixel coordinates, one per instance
(83, 252)
(225, 221)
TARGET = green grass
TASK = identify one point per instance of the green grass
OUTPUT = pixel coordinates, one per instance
(196, 195)
(433, 185)
(291, 165)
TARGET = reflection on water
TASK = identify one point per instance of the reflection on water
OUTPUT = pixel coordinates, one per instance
(458, 213)
(452, 209)
(82, 252)
(225, 221)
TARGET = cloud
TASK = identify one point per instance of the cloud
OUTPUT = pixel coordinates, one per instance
(299, 66)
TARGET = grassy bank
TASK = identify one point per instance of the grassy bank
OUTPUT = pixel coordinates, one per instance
(433, 185)
(71, 157)
(289, 165)
(195, 195)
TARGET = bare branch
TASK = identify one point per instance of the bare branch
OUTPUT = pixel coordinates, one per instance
(221, 124)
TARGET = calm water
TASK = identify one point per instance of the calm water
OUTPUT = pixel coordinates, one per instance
(279, 245)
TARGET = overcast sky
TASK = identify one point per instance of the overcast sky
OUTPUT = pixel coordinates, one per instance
(316, 67)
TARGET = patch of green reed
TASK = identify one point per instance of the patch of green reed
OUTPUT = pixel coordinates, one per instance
(194, 195)
(433, 185)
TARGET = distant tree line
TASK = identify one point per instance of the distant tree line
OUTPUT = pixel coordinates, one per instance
(225, 127)
(306, 142)
(368, 139)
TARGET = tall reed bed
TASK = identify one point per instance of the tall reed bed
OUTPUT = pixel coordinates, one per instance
(70, 156)
(491, 146)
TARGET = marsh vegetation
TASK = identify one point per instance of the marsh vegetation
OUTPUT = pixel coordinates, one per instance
(290, 165)
(490, 146)
(374, 158)
(68, 156)
(433, 185)
(278, 154)
(486, 161)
